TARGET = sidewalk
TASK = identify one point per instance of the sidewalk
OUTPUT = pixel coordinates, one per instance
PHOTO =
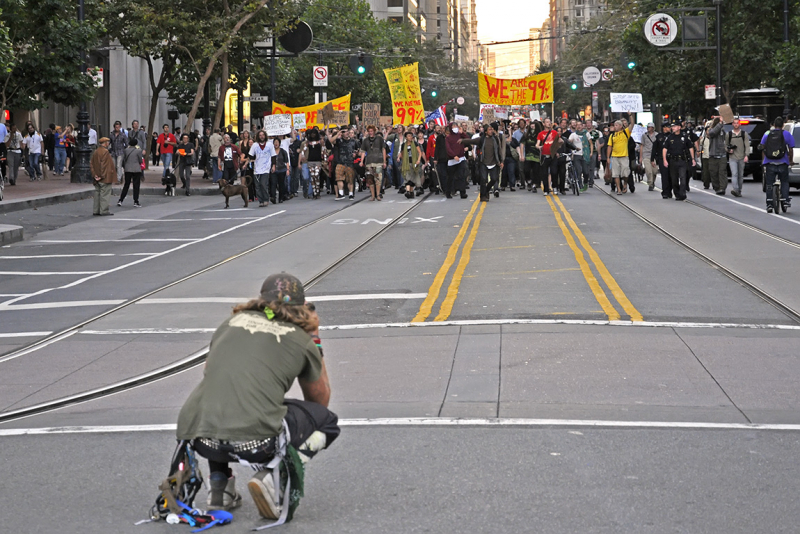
(56, 189)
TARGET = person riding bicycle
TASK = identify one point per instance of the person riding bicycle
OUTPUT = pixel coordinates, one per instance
(238, 412)
(778, 150)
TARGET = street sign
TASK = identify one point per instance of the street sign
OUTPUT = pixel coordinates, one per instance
(607, 74)
(460, 100)
(591, 75)
(320, 76)
(259, 98)
(660, 29)
(594, 94)
(711, 92)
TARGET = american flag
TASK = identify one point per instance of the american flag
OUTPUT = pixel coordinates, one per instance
(439, 116)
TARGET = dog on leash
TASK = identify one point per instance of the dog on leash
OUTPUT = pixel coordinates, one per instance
(170, 181)
(232, 191)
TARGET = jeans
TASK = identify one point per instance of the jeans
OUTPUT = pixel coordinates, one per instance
(120, 168)
(295, 181)
(216, 174)
(737, 174)
(262, 187)
(489, 179)
(166, 161)
(780, 172)
(14, 159)
(61, 159)
(306, 184)
(33, 166)
(581, 170)
(134, 177)
(509, 173)
(718, 169)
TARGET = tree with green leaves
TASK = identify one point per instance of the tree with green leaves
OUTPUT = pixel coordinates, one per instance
(40, 53)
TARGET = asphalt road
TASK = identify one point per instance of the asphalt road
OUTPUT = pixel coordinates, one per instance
(526, 313)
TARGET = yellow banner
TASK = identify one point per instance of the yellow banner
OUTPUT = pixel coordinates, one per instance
(314, 112)
(521, 92)
(406, 96)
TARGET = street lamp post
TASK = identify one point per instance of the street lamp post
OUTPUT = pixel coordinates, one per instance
(718, 5)
(82, 173)
(786, 108)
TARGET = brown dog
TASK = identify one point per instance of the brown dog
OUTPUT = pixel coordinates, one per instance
(232, 191)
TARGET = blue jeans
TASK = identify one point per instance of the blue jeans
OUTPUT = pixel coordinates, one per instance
(33, 166)
(216, 174)
(782, 173)
(306, 180)
(166, 161)
(509, 178)
(60, 159)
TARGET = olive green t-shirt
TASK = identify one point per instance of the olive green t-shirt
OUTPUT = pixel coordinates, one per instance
(252, 363)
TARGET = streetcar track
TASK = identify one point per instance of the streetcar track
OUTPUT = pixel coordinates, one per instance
(787, 310)
(190, 362)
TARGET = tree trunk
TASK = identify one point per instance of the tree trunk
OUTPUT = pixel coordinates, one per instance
(223, 89)
(198, 97)
(156, 87)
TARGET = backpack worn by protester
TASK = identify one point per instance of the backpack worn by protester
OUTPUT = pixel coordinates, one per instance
(775, 146)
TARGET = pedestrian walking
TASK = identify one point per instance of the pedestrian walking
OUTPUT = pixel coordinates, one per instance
(119, 142)
(655, 156)
(277, 179)
(737, 145)
(49, 138)
(13, 153)
(549, 165)
(533, 156)
(185, 155)
(261, 153)
(104, 173)
(34, 143)
(132, 163)
(214, 144)
(645, 150)
(228, 158)
(140, 134)
(717, 156)
(246, 165)
(60, 150)
(491, 149)
(345, 148)
(373, 159)
(166, 148)
(456, 161)
(618, 156)
(678, 157)
(410, 158)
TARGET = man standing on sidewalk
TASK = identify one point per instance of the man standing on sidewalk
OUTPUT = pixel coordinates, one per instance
(737, 144)
(166, 146)
(141, 138)
(214, 142)
(119, 142)
(717, 156)
(104, 174)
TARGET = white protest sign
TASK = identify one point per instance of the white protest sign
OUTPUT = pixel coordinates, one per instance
(500, 112)
(461, 118)
(299, 121)
(637, 132)
(278, 124)
(626, 102)
(534, 115)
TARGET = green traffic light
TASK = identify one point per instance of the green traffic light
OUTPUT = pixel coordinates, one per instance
(574, 86)
(434, 93)
(631, 64)
(361, 69)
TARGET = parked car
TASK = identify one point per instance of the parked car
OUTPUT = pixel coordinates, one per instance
(794, 169)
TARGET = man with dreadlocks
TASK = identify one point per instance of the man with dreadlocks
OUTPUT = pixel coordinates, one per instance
(313, 156)
(238, 412)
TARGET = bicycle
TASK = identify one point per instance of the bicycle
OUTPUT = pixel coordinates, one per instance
(777, 202)
(572, 179)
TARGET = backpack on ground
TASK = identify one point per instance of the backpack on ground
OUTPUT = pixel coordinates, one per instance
(775, 147)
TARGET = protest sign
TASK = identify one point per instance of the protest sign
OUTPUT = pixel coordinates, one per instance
(488, 116)
(299, 121)
(278, 124)
(518, 92)
(637, 132)
(340, 118)
(406, 96)
(327, 113)
(461, 118)
(534, 115)
(626, 102)
(371, 113)
(314, 112)
(385, 121)
(726, 113)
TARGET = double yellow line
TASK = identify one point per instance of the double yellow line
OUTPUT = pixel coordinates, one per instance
(426, 308)
(594, 285)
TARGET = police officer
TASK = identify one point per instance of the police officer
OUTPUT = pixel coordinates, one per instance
(657, 159)
(678, 151)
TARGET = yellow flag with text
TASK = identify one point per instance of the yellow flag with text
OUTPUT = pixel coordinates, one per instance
(520, 92)
(314, 111)
(406, 96)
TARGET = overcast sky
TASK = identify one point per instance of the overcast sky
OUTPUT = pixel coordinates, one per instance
(507, 20)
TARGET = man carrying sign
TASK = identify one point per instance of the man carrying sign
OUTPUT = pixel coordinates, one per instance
(618, 155)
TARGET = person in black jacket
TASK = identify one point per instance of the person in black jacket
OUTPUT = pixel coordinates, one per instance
(440, 159)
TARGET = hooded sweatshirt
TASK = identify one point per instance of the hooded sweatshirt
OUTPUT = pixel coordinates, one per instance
(454, 148)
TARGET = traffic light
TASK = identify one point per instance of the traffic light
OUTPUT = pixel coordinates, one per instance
(434, 93)
(627, 62)
(631, 64)
(361, 63)
(574, 84)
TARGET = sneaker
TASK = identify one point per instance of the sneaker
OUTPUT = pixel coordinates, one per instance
(651, 188)
(496, 194)
(262, 490)
(137, 205)
(555, 193)
(545, 193)
(222, 493)
(769, 209)
(337, 198)
(512, 189)
(350, 197)
(119, 203)
(735, 193)
(584, 188)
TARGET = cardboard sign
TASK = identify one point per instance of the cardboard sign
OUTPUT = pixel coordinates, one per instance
(461, 118)
(488, 116)
(314, 111)
(726, 113)
(340, 118)
(371, 113)
(278, 124)
(637, 132)
(626, 102)
(327, 113)
(299, 121)
(385, 121)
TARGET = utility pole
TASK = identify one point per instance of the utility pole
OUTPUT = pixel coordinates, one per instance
(82, 173)
(786, 109)
(718, 5)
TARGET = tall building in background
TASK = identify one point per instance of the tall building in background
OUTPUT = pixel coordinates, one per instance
(534, 49)
(568, 16)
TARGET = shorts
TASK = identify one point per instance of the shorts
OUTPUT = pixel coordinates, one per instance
(374, 170)
(620, 167)
(345, 174)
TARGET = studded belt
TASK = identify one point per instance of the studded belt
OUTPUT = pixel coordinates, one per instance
(237, 446)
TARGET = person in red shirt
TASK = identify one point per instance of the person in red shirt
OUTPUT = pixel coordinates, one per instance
(549, 164)
(166, 146)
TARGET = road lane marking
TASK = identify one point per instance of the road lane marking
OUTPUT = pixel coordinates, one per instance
(760, 210)
(310, 298)
(426, 308)
(71, 241)
(452, 292)
(619, 295)
(432, 421)
(44, 256)
(532, 272)
(24, 334)
(186, 220)
(145, 331)
(65, 304)
(146, 258)
(594, 285)
(38, 347)
(45, 273)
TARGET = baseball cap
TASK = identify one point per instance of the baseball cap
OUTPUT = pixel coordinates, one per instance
(651, 125)
(285, 288)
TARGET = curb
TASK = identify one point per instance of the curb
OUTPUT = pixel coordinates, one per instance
(60, 198)
(10, 234)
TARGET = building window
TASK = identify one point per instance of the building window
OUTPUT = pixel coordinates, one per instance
(394, 3)
(579, 13)
(438, 23)
(398, 20)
